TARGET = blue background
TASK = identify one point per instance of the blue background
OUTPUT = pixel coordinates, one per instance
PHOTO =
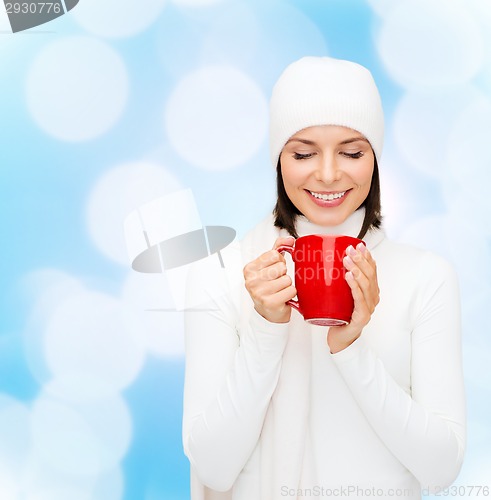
(149, 72)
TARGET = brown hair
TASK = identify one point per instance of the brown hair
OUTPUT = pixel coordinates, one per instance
(285, 212)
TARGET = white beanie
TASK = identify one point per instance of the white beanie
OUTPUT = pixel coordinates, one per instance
(325, 91)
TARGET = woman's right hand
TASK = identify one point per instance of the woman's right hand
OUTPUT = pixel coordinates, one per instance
(268, 284)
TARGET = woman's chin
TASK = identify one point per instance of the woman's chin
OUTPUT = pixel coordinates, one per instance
(326, 219)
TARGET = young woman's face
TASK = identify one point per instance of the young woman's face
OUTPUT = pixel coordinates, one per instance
(327, 171)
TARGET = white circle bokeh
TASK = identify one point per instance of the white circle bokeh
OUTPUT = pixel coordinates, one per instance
(422, 123)
(109, 486)
(160, 325)
(15, 442)
(466, 185)
(239, 25)
(118, 192)
(382, 7)
(57, 493)
(43, 482)
(91, 333)
(117, 18)
(45, 288)
(9, 488)
(431, 42)
(82, 414)
(197, 3)
(77, 88)
(57, 430)
(481, 9)
(466, 207)
(446, 237)
(286, 33)
(216, 118)
(467, 158)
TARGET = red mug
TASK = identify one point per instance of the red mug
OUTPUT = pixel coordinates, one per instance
(324, 296)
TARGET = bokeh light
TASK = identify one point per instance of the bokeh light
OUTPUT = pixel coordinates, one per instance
(117, 18)
(83, 414)
(46, 288)
(468, 164)
(91, 333)
(425, 147)
(15, 442)
(439, 234)
(196, 3)
(382, 7)
(216, 118)
(238, 23)
(431, 43)
(118, 192)
(286, 33)
(77, 88)
(159, 324)
(119, 103)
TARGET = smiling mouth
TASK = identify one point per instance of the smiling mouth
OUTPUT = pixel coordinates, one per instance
(328, 196)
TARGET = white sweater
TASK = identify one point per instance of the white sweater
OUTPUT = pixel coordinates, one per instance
(270, 413)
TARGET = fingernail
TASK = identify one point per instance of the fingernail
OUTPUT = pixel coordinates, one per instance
(348, 276)
(361, 248)
(348, 262)
(351, 251)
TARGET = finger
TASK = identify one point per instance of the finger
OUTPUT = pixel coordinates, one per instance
(261, 288)
(271, 273)
(368, 288)
(273, 297)
(286, 294)
(361, 313)
(289, 241)
(366, 253)
(268, 273)
(367, 260)
(363, 260)
(268, 258)
(357, 263)
(355, 269)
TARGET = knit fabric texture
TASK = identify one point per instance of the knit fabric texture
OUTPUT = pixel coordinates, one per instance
(325, 91)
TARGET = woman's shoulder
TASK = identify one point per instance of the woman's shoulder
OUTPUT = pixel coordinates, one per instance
(414, 260)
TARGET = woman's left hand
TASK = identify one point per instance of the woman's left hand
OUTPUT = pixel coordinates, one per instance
(361, 276)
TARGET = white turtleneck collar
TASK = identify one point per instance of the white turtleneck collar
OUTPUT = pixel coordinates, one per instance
(350, 227)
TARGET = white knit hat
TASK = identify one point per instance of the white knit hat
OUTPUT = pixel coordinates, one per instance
(325, 91)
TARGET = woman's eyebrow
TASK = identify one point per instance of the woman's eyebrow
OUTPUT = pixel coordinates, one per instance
(304, 141)
(354, 139)
(312, 143)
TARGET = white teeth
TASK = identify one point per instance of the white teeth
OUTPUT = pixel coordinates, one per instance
(327, 197)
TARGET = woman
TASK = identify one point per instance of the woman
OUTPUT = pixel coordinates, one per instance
(277, 408)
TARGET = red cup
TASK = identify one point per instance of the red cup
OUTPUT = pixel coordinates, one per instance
(324, 296)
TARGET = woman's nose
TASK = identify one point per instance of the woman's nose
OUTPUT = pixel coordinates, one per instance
(327, 170)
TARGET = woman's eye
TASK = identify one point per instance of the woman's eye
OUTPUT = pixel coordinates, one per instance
(302, 156)
(358, 154)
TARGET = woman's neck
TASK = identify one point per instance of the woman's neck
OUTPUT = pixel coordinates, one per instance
(350, 227)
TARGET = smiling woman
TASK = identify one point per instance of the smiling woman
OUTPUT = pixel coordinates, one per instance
(327, 166)
(275, 406)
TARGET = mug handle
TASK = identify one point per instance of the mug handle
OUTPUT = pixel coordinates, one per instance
(286, 248)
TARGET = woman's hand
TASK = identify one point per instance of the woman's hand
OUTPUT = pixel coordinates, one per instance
(362, 279)
(268, 284)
